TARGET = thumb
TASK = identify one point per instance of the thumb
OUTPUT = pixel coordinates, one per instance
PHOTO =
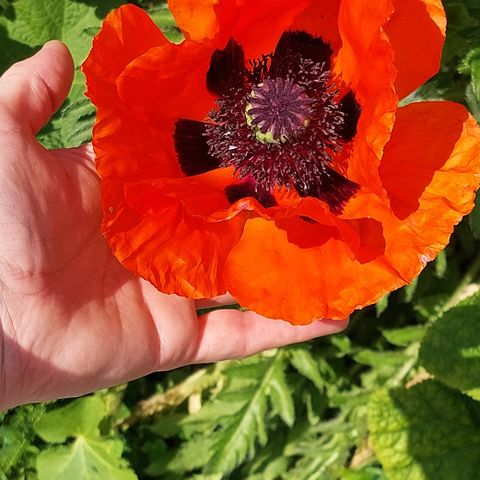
(31, 91)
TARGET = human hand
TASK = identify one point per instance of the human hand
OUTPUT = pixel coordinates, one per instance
(73, 319)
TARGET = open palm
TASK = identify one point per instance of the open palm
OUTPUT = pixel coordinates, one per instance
(73, 319)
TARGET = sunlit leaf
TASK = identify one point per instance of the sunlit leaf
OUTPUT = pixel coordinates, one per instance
(451, 348)
(426, 432)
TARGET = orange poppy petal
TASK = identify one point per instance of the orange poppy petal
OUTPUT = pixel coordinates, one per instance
(274, 272)
(295, 259)
(153, 233)
(197, 19)
(417, 33)
(431, 171)
(366, 63)
(168, 82)
(126, 33)
(128, 149)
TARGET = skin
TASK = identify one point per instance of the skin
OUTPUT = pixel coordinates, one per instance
(73, 319)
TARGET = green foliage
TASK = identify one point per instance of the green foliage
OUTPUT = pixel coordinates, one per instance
(451, 349)
(357, 406)
(426, 432)
(17, 451)
(89, 456)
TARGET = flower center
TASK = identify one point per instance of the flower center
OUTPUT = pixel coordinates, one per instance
(279, 122)
(277, 110)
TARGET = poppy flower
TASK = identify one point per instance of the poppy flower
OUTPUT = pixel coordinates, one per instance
(267, 156)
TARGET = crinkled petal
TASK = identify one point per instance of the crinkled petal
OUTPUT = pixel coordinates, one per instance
(366, 63)
(431, 171)
(279, 273)
(154, 233)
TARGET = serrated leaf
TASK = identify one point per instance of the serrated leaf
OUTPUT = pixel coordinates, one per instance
(85, 459)
(319, 457)
(367, 473)
(281, 397)
(410, 289)
(81, 417)
(239, 435)
(343, 344)
(429, 307)
(427, 432)
(451, 347)
(269, 463)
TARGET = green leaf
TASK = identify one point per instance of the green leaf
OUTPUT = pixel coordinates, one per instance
(239, 434)
(451, 347)
(89, 456)
(305, 364)
(16, 438)
(441, 264)
(318, 457)
(382, 305)
(471, 65)
(72, 125)
(380, 359)
(402, 337)
(81, 417)
(426, 432)
(85, 459)
(269, 463)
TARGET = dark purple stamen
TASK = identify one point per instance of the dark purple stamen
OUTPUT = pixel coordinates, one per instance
(309, 129)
